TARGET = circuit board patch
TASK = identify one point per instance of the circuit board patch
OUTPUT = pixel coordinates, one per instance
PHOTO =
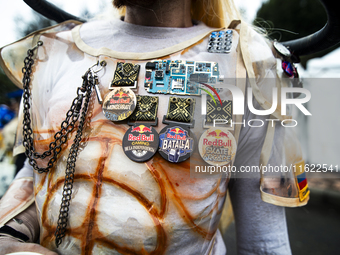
(180, 77)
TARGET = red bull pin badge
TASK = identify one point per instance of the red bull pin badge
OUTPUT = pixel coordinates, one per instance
(217, 146)
(119, 104)
(176, 143)
(140, 143)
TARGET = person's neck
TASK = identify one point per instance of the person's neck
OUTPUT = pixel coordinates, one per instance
(175, 13)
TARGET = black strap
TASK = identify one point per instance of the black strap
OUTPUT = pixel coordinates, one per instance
(12, 232)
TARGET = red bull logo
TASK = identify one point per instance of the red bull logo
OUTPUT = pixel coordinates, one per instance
(141, 129)
(212, 133)
(120, 98)
(120, 101)
(141, 137)
(177, 137)
(217, 142)
(217, 133)
(222, 134)
(177, 131)
(121, 94)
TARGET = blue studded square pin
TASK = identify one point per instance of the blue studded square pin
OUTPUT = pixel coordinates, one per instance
(220, 42)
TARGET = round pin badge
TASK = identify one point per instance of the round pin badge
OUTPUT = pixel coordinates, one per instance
(176, 143)
(140, 143)
(217, 146)
(119, 104)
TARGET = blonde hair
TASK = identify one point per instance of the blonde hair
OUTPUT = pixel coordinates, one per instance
(215, 13)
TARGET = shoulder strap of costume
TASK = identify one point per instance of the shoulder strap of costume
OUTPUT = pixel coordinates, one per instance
(241, 80)
(241, 74)
(244, 43)
(12, 56)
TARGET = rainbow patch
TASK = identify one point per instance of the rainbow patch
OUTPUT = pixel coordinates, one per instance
(301, 181)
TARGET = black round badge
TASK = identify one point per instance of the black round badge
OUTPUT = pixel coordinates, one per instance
(119, 104)
(176, 143)
(140, 143)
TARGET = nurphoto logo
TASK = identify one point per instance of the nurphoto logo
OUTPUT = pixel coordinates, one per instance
(238, 105)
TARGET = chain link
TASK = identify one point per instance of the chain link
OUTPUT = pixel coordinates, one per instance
(70, 167)
(78, 108)
(67, 125)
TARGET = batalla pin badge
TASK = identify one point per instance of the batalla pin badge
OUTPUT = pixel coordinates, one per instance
(119, 104)
(140, 143)
(217, 146)
(176, 143)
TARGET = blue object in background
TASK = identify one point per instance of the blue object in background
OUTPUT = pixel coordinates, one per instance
(15, 94)
(6, 115)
